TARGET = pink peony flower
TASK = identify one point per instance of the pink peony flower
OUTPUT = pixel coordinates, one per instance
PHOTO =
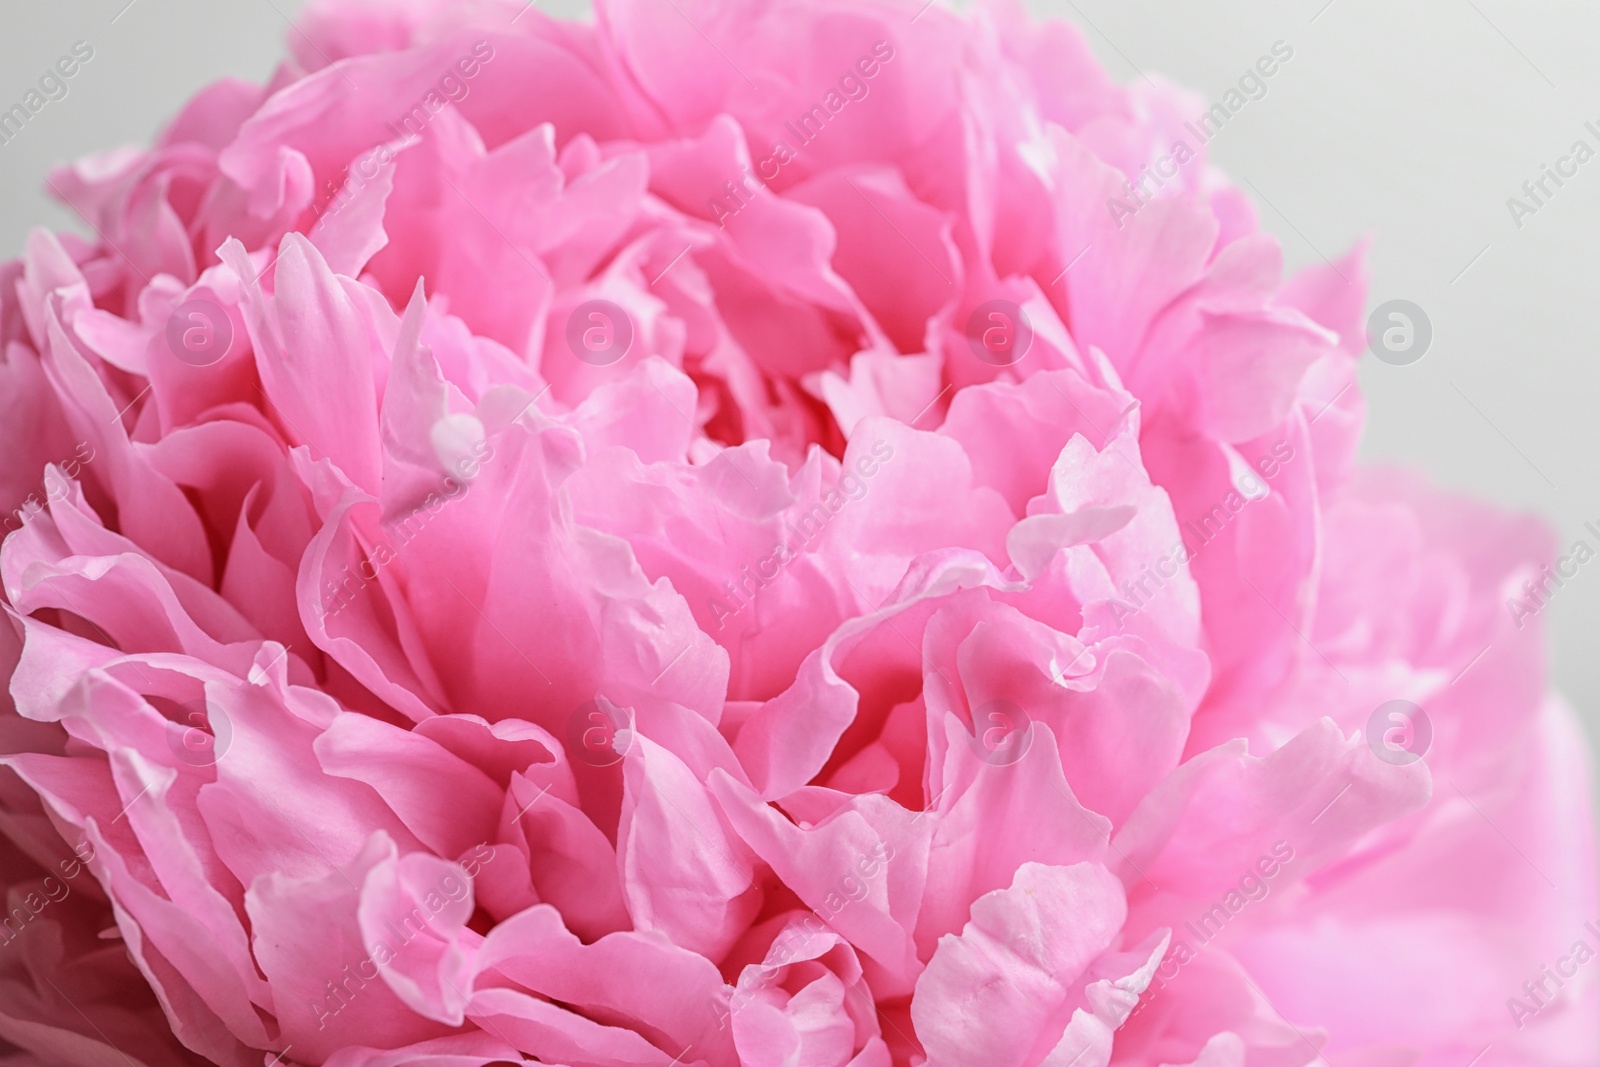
(743, 534)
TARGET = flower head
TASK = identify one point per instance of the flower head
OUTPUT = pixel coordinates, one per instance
(741, 534)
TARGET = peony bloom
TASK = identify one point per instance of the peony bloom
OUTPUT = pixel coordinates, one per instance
(743, 535)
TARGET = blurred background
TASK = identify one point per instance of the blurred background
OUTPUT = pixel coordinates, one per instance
(1413, 122)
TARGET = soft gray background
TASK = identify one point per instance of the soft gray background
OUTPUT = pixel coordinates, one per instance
(1413, 122)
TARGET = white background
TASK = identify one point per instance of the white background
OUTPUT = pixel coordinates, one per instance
(1413, 122)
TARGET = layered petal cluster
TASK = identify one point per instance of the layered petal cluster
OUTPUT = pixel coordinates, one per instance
(738, 535)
